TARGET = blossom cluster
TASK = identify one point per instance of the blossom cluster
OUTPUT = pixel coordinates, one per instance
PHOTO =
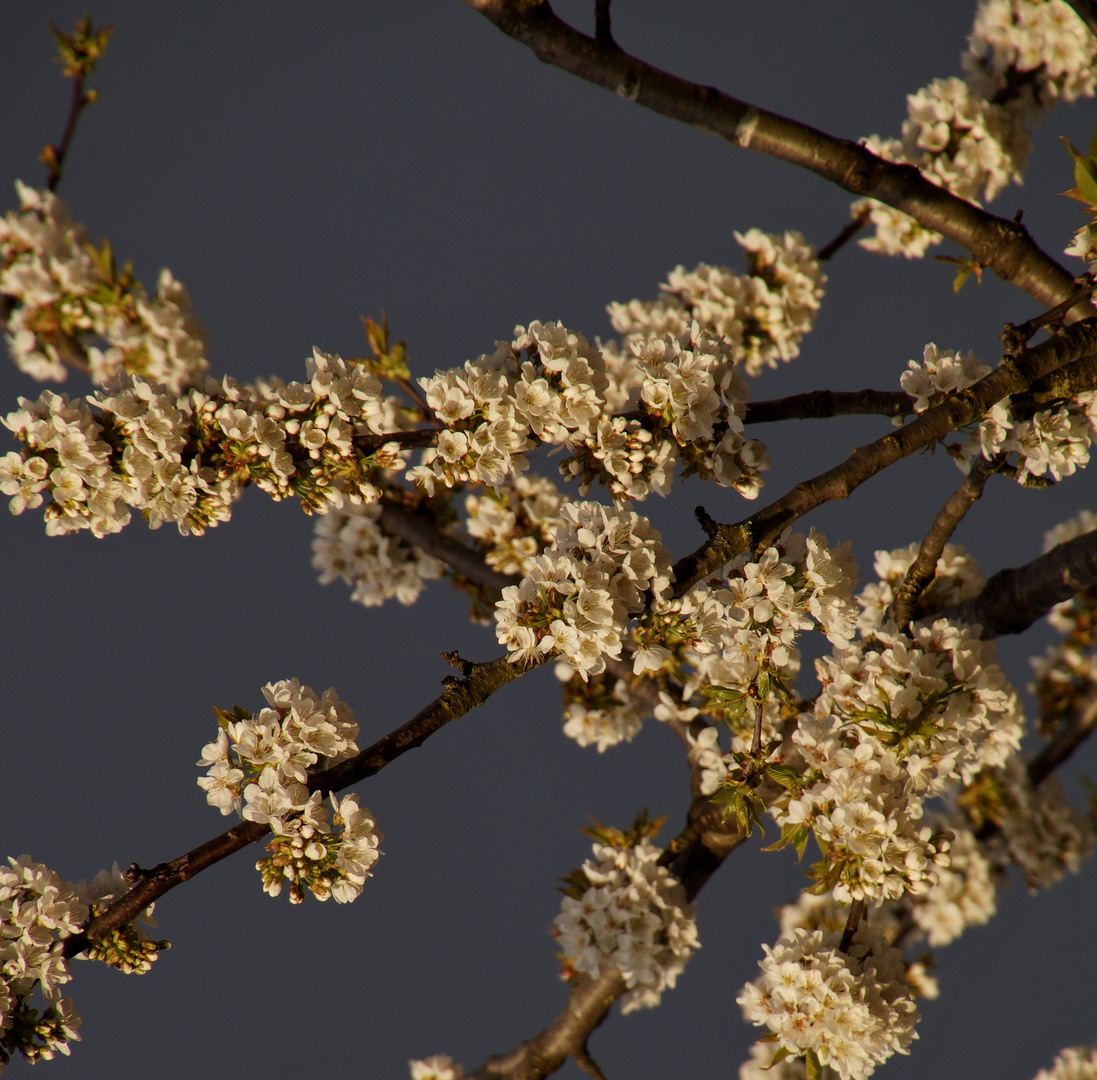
(185, 458)
(38, 911)
(599, 710)
(761, 315)
(66, 296)
(436, 1067)
(718, 639)
(548, 386)
(260, 767)
(851, 1011)
(1073, 1063)
(1036, 50)
(898, 719)
(577, 599)
(1045, 835)
(963, 894)
(1054, 441)
(349, 544)
(969, 136)
(628, 911)
(516, 523)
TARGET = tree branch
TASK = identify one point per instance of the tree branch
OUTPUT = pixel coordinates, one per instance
(1003, 245)
(1012, 600)
(1066, 741)
(478, 683)
(921, 571)
(823, 404)
(1012, 375)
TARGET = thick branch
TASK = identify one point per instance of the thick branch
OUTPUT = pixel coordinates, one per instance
(822, 404)
(467, 561)
(480, 681)
(1014, 599)
(1012, 375)
(1002, 245)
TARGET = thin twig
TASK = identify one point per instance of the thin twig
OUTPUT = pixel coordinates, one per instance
(54, 155)
(823, 404)
(828, 251)
(603, 32)
(1014, 338)
(587, 1063)
(921, 571)
(1066, 741)
(856, 910)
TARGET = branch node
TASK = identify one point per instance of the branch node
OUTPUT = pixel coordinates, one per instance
(454, 659)
(706, 521)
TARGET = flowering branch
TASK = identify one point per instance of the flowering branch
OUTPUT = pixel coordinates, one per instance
(476, 684)
(78, 52)
(1013, 374)
(995, 242)
(1014, 599)
(693, 856)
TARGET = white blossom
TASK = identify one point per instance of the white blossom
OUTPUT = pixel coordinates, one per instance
(67, 297)
(349, 544)
(1074, 1063)
(578, 597)
(259, 766)
(633, 915)
(38, 911)
(851, 1010)
(436, 1067)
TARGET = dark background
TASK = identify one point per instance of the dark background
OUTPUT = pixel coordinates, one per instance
(298, 166)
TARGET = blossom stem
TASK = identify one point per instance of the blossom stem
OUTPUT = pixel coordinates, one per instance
(828, 251)
(856, 910)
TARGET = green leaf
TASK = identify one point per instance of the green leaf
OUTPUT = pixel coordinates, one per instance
(762, 683)
(778, 1057)
(1085, 175)
(814, 1068)
(961, 276)
(786, 776)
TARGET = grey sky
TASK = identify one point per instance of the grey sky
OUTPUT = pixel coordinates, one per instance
(296, 166)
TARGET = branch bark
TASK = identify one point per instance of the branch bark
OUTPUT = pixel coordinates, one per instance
(823, 404)
(1012, 600)
(1003, 245)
